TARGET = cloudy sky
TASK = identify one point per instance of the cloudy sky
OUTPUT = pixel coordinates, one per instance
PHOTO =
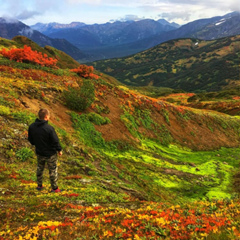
(101, 11)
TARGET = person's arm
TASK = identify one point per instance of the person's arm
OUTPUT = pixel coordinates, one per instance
(55, 141)
(30, 138)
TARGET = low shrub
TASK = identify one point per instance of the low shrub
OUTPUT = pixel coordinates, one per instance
(85, 72)
(24, 154)
(24, 117)
(4, 110)
(27, 55)
(79, 99)
(98, 119)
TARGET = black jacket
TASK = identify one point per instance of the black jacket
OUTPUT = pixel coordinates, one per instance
(44, 137)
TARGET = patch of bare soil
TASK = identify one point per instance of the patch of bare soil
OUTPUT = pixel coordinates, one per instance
(59, 115)
(198, 135)
(195, 134)
(179, 173)
(237, 182)
(116, 130)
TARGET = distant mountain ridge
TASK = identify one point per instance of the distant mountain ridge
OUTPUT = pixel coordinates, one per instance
(226, 26)
(204, 29)
(47, 28)
(103, 40)
(108, 34)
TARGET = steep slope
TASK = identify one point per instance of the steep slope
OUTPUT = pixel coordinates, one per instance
(128, 160)
(188, 64)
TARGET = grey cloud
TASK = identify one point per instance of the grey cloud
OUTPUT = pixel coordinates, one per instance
(217, 4)
(24, 15)
(45, 5)
(131, 18)
(26, 32)
(9, 19)
(234, 6)
(23, 11)
(185, 16)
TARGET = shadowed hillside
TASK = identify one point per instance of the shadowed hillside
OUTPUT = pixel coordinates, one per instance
(133, 167)
(188, 64)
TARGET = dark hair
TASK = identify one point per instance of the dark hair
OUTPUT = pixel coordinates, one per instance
(43, 113)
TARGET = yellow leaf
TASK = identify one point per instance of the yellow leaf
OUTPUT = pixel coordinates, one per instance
(136, 237)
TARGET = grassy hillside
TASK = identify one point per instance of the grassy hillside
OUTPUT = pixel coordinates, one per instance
(225, 101)
(188, 64)
(134, 167)
(64, 60)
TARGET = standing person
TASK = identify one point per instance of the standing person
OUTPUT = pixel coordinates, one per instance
(47, 147)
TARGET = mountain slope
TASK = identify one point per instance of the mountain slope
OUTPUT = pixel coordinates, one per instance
(204, 29)
(131, 166)
(227, 26)
(64, 60)
(10, 29)
(187, 64)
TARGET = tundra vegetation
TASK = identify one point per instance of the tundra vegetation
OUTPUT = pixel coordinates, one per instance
(134, 166)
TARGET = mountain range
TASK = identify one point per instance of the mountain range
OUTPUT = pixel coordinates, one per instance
(87, 43)
(119, 39)
(106, 40)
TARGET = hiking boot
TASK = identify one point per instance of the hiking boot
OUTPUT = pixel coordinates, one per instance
(56, 190)
(39, 188)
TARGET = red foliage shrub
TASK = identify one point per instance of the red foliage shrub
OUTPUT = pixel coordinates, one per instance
(27, 55)
(85, 72)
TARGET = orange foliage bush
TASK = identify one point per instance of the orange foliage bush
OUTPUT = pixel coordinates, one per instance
(27, 55)
(85, 72)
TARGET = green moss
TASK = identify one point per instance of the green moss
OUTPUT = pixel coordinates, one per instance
(97, 119)
(86, 131)
(166, 116)
(24, 117)
(4, 110)
(131, 123)
(144, 117)
(24, 154)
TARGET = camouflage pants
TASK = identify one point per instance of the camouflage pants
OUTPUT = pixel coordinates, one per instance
(52, 167)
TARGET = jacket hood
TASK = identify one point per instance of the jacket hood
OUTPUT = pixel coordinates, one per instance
(39, 122)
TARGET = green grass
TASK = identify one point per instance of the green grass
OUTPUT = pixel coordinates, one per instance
(209, 174)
